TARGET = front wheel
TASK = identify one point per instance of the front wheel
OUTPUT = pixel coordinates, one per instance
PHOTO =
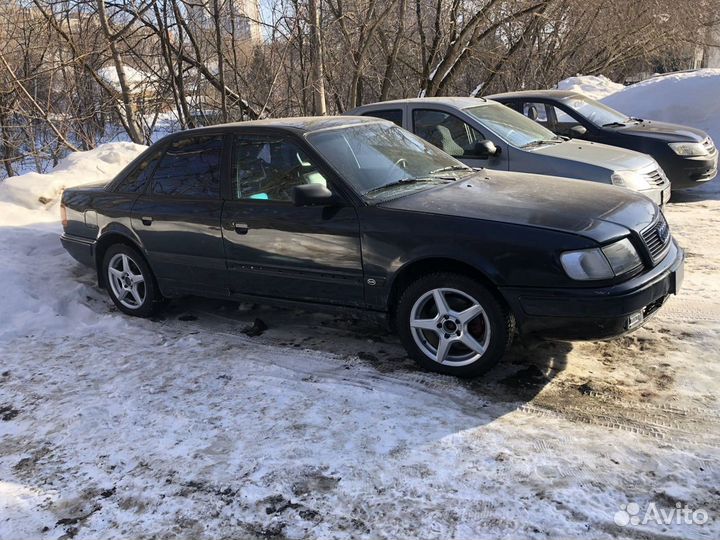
(130, 281)
(452, 324)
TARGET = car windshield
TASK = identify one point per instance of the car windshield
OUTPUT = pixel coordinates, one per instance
(511, 126)
(595, 112)
(379, 157)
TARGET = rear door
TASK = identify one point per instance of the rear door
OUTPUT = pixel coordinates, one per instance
(178, 217)
(277, 249)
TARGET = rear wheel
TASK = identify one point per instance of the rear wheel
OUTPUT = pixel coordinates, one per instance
(130, 282)
(452, 324)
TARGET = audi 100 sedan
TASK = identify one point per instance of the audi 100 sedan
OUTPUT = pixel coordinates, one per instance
(358, 214)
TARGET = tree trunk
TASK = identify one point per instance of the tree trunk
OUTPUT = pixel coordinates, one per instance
(132, 122)
(316, 51)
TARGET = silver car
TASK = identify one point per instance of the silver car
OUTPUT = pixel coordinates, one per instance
(484, 133)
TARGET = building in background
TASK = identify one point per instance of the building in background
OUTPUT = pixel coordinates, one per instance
(240, 18)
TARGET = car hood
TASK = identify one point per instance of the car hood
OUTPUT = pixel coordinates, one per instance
(600, 155)
(663, 131)
(602, 213)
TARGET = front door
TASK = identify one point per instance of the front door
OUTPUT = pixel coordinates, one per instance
(178, 217)
(458, 138)
(277, 249)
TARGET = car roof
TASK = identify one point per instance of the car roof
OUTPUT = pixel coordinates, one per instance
(298, 124)
(534, 94)
(459, 102)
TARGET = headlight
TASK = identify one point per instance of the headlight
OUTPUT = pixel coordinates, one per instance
(622, 256)
(630, 180)
(688, 149)
(601, 263)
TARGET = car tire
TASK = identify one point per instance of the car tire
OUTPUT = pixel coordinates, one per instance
(452, 324)
(130, 282)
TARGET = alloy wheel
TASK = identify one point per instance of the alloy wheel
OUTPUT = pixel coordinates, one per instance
(450, 327)
(127, 281)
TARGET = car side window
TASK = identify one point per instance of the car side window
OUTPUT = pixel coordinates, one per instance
(446, 131)
(563, 122)
(536, 111)
(394, 115)
(137, 179)
(268, 168)
(190, 168)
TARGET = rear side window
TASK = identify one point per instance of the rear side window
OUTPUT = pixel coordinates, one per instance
(136, 180)
(190, 168)
(394, 115)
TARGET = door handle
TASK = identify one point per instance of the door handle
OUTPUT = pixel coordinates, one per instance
(241, 228)
(146, 220)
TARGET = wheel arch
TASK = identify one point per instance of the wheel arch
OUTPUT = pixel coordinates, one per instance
(105, 241)
(418, 268)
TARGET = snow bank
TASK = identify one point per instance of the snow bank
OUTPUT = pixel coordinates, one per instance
(36, 191)
(596, 87)
(691, 98)
(38, 298)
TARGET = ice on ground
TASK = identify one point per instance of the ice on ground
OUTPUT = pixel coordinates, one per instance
(593, 86)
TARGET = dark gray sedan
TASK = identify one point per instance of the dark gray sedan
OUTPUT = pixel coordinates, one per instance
(687, 155)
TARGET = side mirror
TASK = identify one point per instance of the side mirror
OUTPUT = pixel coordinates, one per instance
(313, 195)
(485, 149)
(578, 131)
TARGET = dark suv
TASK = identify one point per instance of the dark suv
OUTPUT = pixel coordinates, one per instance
(358, 214)
(687, 155)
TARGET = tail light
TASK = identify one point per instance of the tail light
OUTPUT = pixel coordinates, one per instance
(63, 215)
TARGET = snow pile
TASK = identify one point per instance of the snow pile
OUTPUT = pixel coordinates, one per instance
(36, 191)
(596, 87)
(691, 98)
(39, 293)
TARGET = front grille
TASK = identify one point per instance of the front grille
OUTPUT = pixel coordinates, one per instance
(657, 238)
(655, 177)
(709, 145)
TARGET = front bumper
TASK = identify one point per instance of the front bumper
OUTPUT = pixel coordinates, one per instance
(687, 172)
(597, 313)
(659, 195)
(81, 249)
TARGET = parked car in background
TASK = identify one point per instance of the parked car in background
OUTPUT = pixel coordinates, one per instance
(357, 214)
(687, 155)
(483, 133)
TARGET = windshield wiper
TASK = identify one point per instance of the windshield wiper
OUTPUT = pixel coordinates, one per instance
(541, 142)
(614, 124)
(452, 168)
(401, 182)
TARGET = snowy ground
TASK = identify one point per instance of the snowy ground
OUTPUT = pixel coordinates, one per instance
(184, 427)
